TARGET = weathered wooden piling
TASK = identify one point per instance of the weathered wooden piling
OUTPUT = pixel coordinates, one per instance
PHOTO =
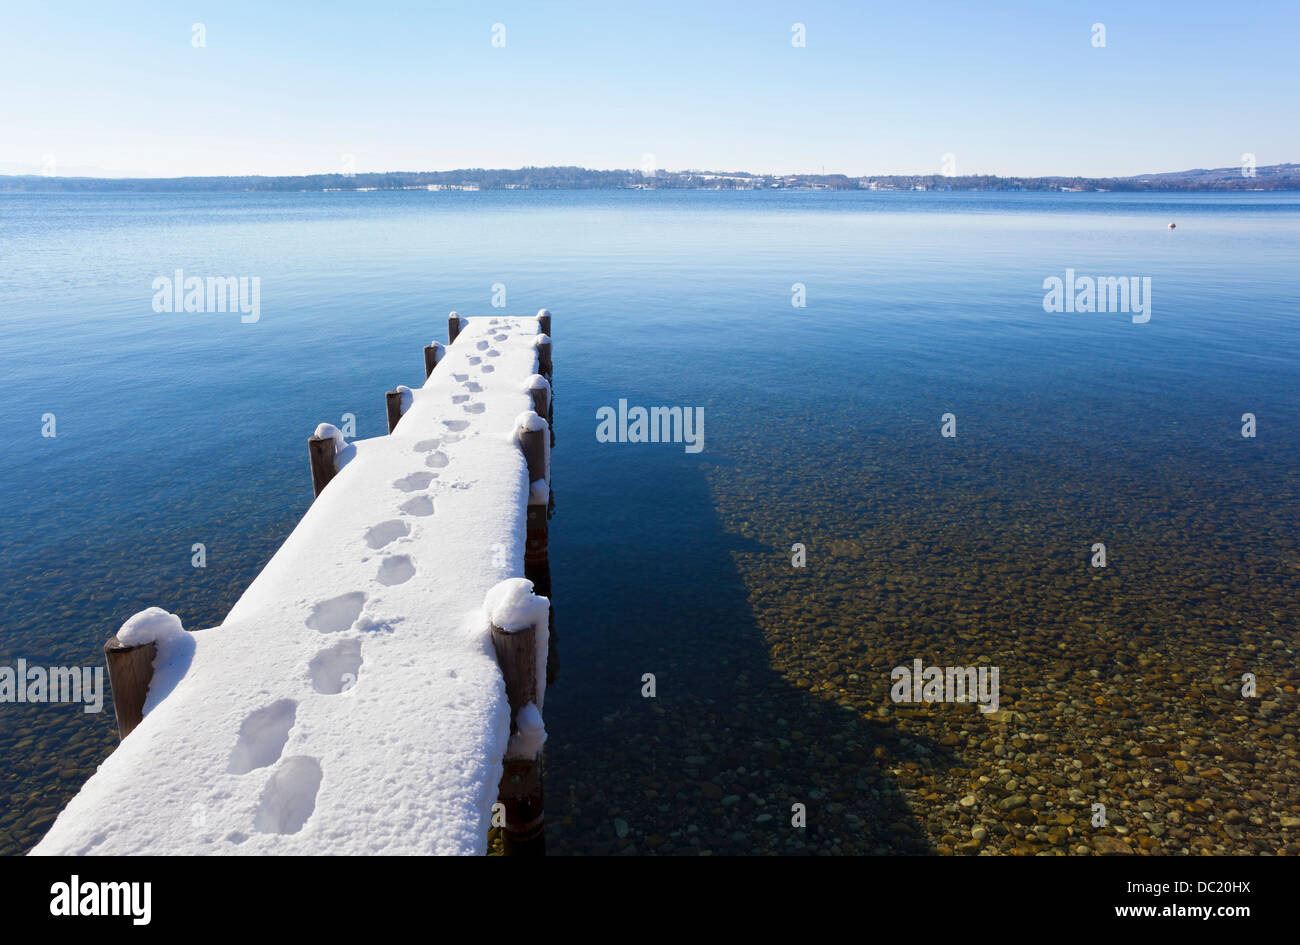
(532, 440)
(393, 401)
(540, 390)
(433, 353)
(520, 790)
(531, 435)
(543, 345)
(130, 670)
(454, 324)
(322, 451)
(544, 366)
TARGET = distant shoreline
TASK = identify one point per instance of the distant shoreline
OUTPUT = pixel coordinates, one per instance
(1277, 177)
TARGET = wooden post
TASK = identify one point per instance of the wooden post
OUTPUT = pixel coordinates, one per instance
(454, 324)
(537, 554)
(130, 670)
(537, 541)
(517, 655)
(544, 321)
(533, 444)
(393, 400)
(520, 789)
(541, 394)
(321, 450)
(544, 368)
(432, 355)
(543, 345)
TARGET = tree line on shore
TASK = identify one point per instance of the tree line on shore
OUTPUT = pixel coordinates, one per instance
(1275, 177)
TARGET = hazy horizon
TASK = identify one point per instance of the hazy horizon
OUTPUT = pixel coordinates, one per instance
(6, 171)
(1017, 91)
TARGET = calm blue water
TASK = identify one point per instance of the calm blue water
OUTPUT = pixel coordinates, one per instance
(822, 426)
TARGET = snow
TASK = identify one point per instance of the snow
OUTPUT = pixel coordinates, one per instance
(513, 606)
(153, 625)
(407, 398)
(328, 431)
(539, 493)
(350, 703)
(175, 650)
(530, 736)
(529, 420)
(537, 382)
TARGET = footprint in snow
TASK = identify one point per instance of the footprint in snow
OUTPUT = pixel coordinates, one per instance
(456, 425)
(488, 369)
(425, 445)
(474, 387)
(459, 398)
(262, 737)
(396, 570)
(336, 613)
(475, 408)
(482, 345)
(475, 360)
(377, 536)
(494, 353)
(334, 670)
(289, 799)
(500, 337)
(420, 505)
(414, 482)
(437, 460)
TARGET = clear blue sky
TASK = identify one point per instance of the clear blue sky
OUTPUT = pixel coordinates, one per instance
(1011, 88)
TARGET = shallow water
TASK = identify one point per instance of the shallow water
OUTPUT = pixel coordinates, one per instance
(1118, 685)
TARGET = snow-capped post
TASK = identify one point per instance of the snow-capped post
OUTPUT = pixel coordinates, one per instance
(398, 401)
(433, 353)
(322, 450)
(540, 390)
(543, 345)
(518, 620)
(130, 670)
(531, 431)
(541, 503)
(130, 655)
(454, 325)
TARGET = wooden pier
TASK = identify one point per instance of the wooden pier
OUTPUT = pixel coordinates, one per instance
(245, 737)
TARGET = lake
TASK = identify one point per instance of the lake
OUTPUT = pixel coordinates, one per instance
(830, 340)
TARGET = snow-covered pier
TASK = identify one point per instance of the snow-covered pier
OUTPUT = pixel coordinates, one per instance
(379, 687)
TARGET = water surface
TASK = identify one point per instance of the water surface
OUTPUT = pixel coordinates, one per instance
(822, 428)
